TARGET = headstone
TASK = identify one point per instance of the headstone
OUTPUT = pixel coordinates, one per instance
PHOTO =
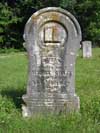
(87, 49)
(52, 37)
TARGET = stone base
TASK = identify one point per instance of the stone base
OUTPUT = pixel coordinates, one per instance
(49, 104)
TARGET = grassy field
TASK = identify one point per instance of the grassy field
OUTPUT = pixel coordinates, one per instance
(13, 77)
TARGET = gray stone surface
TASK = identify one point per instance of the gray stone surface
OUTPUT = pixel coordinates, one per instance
(87, 49)
(52, 37)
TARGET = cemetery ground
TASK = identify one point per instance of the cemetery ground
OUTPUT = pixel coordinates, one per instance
(13, 80)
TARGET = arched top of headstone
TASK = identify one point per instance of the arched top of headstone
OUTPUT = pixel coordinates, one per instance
(65, 22)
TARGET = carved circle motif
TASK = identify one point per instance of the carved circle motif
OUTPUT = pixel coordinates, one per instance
(52, 34)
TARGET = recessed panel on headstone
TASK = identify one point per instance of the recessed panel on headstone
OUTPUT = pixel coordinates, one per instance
(52, 37)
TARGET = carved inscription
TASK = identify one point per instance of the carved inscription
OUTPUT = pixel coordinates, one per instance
(51, 76)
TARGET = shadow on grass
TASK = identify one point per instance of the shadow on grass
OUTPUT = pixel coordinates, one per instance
(15, 95)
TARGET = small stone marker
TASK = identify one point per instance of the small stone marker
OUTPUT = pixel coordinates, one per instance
(87, 49)
(52, 37)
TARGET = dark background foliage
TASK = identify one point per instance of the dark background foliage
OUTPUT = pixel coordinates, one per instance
(15, 13)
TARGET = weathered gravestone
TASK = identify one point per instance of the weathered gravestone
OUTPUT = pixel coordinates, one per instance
(87, 49)
(52, 37)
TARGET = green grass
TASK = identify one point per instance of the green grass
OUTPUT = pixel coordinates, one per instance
(13, 77)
